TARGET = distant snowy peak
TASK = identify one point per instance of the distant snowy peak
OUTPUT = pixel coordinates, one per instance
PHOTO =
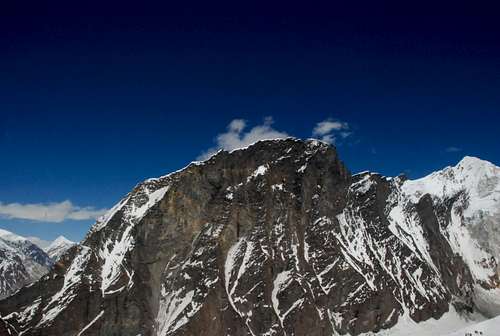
(58, 247)
(21, 262)
(54, 249)
(60, 241)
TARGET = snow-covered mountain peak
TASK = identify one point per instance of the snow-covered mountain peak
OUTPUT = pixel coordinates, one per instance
(471, 162)
(473, 188)
(474, 170)
(61, 240)
(477, 177)
(58, 247)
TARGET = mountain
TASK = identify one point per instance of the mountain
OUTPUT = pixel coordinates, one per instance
(58, 247)
(279, 239)
(472, 188)
(21, 262)
(54, 249)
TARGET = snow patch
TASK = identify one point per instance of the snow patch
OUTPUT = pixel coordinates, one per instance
(275, 187)
(114, 250)
(280, 283)
(174, 304)
(72, 279)
(261, 170)
(91, 323)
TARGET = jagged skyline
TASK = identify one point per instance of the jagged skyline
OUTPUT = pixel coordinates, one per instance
(95, 101)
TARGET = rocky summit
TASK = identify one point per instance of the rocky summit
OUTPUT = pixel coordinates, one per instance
(278, 239)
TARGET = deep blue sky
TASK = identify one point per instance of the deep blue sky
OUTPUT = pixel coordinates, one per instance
(95, 99)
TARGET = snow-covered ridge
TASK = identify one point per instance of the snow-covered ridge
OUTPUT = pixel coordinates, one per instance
(476, 185)
(21, 262)
(10, 236)
(472, 191)
(481, 179)
(473, 186)
(54, 249)
(22, 247)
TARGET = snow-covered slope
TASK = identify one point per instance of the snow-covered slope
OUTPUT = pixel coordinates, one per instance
(472, 191)
(58, 247)
(490, 327)
(449, 322)
(21, 262)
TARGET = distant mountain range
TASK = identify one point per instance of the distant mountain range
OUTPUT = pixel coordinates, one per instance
(22, 261)
(279, 239)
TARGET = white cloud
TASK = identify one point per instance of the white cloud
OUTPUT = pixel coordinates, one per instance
(50, 212)
(453, 149)
(329, 130)
(235, 137)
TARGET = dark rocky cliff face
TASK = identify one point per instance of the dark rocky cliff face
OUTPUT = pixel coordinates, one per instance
(275, 239)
